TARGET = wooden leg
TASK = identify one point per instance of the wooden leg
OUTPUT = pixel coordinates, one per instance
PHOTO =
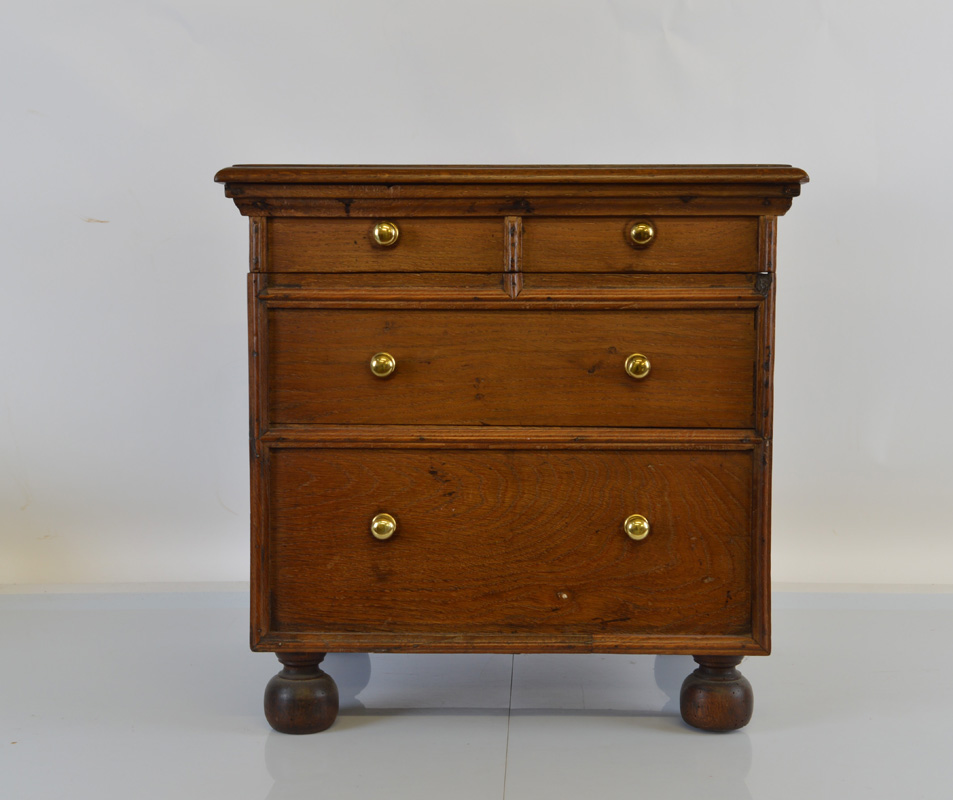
(716, 697)
(302, 698)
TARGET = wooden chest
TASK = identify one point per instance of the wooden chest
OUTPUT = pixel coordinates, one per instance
(511, 409)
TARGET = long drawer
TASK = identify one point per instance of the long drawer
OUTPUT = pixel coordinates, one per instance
(539, 367)
(509, 541)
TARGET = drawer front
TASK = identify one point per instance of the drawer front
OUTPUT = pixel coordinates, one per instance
(509, 541)
(347, 245)
(553, 367)
(603, 244)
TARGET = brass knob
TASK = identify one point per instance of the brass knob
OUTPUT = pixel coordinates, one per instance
(641, 233)
(637, 366)
(636, 527)
(383, 526)
(383, 364)
(386, 233)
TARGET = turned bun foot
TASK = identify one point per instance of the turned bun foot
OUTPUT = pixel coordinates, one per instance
(302, 698)
(716, 697)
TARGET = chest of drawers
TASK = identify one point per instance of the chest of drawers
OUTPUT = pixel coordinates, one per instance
(511, 409)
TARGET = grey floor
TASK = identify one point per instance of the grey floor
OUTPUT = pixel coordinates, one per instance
(155, 695)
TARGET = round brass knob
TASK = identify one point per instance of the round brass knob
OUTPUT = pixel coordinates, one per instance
(636, 527)
(641, 233)
(383, 526)
(637, 366)
(386, 233)
(383, 364)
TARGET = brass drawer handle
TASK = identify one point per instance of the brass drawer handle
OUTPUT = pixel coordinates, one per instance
(386, 233)
(641, 233)
(383, 364)
(637, 366)
(383, 526)
(636, 527)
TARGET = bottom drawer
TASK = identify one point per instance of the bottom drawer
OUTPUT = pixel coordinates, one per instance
(507, 542)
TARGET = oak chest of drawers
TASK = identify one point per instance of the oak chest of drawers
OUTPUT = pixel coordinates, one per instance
(511, 409)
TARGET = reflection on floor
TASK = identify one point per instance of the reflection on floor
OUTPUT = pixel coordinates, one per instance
(155, 695)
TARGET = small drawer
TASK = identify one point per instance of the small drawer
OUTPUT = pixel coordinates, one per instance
(674, 244)
(509, 541)
(422, 244)
(524, 367)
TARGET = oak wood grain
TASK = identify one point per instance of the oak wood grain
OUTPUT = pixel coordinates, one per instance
(444, 289)
(681, 244)
(510, 541)
(512, 368)
(509, 437)
(463, 641)
(424, 245)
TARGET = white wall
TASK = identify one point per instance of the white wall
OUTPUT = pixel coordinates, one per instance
(123, 419)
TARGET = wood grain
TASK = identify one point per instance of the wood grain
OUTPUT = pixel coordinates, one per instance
(708, 174)
(408, 289)
(512, 368)
(512, 256)
(302, 698)
(486, 437)
(500, 201)
(591, 641)
(257, 427)
(682, 244)
(510, 541)
(716, 696)
(424, 245)
(767, 242)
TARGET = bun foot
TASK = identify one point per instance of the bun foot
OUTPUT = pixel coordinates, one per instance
(716, 697)
(302, 698)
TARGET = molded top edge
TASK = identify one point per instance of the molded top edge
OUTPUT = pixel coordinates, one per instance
(595, 173)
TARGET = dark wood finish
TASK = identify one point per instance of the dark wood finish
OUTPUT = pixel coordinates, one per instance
(509, 443)
(716, 696)
(511, 642)
(764, 403)
(257, 427)
(302, 698)
(708, 175)
(327, 202)
(681, 244)
(292, 191)
(513, 368)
